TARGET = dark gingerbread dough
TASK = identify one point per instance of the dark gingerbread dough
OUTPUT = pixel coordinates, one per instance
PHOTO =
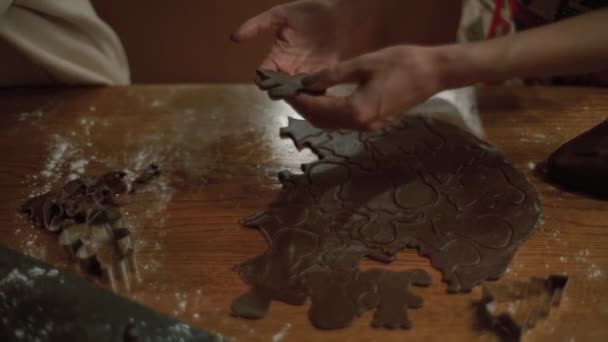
(280, 85)
(581, 164)
(421, 184)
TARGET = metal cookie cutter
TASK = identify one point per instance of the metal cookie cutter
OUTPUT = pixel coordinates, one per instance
(529, 302)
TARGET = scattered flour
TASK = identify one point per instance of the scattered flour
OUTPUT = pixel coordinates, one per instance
(539, 136)
(594, 272)
(24, 116)
(78, 166)
(87, 124)
(16, 277)
(69, 157)
(31, 247)
(181, 330)
(36, 272)
(512, 307)
(67, 153)
(280, 335)
(61, 150)
(19, 334)
(182, 305)
(45, 331)
(533, 138)
(156, 103)
(582, 256)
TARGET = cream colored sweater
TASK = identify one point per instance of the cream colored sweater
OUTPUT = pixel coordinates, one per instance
(49, 42)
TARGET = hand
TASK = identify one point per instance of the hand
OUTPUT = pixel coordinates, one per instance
(388, 81)
(310, 35)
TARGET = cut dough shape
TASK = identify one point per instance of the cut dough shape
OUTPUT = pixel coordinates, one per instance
(280, 85)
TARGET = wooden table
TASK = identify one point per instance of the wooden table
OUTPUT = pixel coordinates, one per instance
(220, 152)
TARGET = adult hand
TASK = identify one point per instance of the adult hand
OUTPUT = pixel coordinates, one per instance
(309, 35)
(388, 81)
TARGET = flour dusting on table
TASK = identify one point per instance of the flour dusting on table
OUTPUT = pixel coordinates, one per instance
(75, 150)
(280, 335)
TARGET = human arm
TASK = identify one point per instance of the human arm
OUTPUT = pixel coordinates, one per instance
(574, 46)
(313, 34)
(393, 80)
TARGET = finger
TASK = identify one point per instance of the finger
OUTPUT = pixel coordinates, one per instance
(369, 114)
(378, 125)
(345, 72)
(269, 64)
(322, 111)
(266, 79)
(328, 112)
(277, 61)
(267, 21)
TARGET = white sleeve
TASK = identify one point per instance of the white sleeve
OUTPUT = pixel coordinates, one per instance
(66, 39)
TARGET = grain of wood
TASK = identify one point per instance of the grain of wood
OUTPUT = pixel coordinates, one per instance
(220, 152)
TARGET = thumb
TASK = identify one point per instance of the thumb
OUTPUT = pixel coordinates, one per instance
(345, 72)
(267, 21)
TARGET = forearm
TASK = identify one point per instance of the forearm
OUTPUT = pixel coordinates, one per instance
(574, 46)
